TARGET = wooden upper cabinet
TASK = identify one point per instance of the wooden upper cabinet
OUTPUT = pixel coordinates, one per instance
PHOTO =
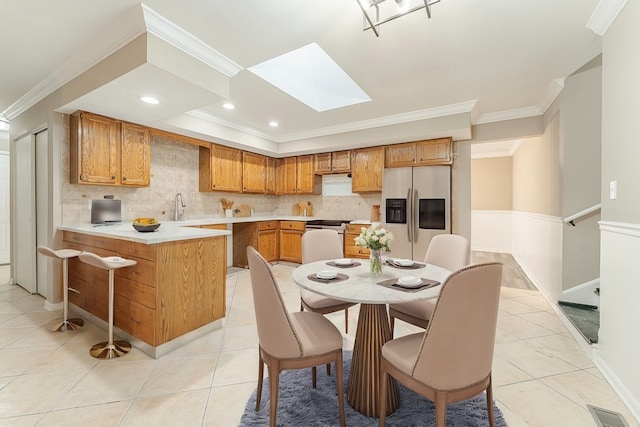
(336, 162)
(286, 176)
(367, 166)
(270, 173)
(399, 155)
(254, 173)
(322, 163)
(341, 161)
(307, 181)
(434, 152)
(220, 169)
(94, 149)
(136, 155)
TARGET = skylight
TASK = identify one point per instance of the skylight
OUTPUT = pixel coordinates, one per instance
(312, 77)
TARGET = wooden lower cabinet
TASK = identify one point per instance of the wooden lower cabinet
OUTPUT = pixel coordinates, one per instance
(175, 288)
(291, 240)
(261, 235)
(350, 249)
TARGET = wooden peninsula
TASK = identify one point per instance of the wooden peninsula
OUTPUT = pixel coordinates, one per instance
(175, 292)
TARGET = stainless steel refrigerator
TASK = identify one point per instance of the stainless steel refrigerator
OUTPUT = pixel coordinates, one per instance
(416, 205)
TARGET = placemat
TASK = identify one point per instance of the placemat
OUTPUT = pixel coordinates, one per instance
(415, 266)
(339, 278)
(393, 284)
(353, 264)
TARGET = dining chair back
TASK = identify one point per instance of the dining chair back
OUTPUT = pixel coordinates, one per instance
(451, 361)
(289, 340)
(318, 245)
(449, 251)
(321, 244)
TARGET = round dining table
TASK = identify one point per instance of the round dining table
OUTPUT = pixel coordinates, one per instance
(355, 283)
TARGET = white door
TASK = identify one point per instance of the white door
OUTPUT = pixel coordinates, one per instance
(42, 212)
(25, 239)
(4, 209)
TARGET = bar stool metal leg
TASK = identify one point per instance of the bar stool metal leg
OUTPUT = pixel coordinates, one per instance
(66, 324)
(110, 349)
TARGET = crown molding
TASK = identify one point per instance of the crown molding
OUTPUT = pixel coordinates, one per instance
(447, 110)
(460, 108)
(604, 14)
(499, 116)
(505, 152)
(553, 90)
(161, 27)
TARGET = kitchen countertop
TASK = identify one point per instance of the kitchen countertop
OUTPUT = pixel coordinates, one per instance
(171, 230)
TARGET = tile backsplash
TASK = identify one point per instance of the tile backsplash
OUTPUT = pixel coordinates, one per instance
(174, 169)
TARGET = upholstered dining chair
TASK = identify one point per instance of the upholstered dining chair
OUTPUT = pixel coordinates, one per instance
(449, 251)
(318, 245)
(451, 361)
(289, 340)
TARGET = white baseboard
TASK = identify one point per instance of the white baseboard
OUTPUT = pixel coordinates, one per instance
(618, 386)
(53, 307)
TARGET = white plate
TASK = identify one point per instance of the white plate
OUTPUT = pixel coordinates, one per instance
(403, 262)
(343, 261)
(326, 274)
(410, 281)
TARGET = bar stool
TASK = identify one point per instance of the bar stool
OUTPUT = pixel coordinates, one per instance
(64, 254)
(108, 349)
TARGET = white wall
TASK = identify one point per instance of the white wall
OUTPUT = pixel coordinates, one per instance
(619, 353)
(492, 230)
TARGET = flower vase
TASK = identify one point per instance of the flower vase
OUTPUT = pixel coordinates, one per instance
(375, 262)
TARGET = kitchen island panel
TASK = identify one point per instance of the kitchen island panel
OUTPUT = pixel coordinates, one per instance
(190, 280)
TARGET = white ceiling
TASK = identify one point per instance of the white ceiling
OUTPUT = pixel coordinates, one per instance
(489, 60)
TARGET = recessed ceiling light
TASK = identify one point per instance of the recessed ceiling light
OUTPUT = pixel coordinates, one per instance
(273, 124)
(149, 100)
(228, 106)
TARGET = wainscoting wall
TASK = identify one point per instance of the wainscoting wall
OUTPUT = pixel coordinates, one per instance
(619, 347)
(534, 240)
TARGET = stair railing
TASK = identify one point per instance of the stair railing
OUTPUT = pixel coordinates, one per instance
(570, 219)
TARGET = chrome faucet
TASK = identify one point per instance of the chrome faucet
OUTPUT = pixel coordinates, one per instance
(179, 203)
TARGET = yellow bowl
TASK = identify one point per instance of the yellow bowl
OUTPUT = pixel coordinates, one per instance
(145, 221)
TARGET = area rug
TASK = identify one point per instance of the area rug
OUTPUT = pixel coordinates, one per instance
(301, 405)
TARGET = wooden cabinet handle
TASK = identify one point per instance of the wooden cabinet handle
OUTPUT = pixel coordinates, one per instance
(137, 322)
(113, 177)
(124, 178)
(81, 177)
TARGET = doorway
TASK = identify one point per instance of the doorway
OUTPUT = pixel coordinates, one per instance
(30, 212)
(5, 235)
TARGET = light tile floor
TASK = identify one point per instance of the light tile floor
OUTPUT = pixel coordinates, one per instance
(541, 375)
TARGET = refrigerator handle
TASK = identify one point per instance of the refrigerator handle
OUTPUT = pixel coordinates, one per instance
(409, 216)
(416, 215)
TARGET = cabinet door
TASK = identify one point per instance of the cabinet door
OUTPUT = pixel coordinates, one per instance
(268, 244)
(305, 176)
(322, 163)
(399, 155)
(286, 176)
(94, 149)
(226, 168)
(271, 175)
(367, 165)
(136, 155)
(253, 173)
(434, 152)
(291, 246)
(341, 161)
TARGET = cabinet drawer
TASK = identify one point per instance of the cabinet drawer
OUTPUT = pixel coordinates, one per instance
(144, 271)
(267, 225)
(135, 319)
(292, 225)
(354, 229)
(353, 251)
(136, 291)
(123, 248)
